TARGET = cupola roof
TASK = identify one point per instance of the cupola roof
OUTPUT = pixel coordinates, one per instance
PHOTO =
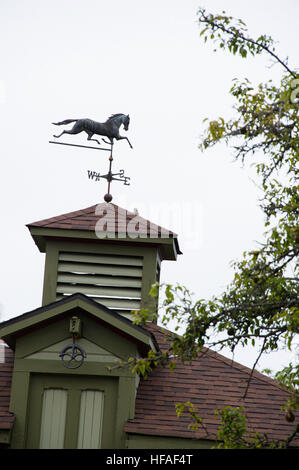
(105, 219)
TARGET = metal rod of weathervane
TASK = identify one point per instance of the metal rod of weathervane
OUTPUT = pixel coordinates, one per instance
(108, 196)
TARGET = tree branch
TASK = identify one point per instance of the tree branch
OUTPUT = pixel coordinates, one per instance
(209, 20)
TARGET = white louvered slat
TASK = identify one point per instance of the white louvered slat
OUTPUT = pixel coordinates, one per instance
(112, 280)
(110, 302)
(117, 281)
(101, 259)
(95, 290)
(91, 418)
(99, 269)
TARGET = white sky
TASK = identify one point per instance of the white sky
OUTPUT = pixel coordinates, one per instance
(73, 59)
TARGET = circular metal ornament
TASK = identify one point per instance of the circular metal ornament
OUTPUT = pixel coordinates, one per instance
(107, 197)
(72, 356)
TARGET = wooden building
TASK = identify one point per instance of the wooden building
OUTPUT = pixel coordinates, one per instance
(100, 264)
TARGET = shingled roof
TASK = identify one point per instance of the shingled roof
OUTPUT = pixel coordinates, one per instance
(106, 220)
(211, 381)
(121, 219)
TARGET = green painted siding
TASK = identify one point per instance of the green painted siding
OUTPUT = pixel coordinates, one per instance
(94, 353)
(19, 400)
(5, 436)
(135, 441)
(75, 431)
(38, 369)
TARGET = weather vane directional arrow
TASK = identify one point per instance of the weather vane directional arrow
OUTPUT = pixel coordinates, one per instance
(109, 129)
(109, 177)
(93, 175)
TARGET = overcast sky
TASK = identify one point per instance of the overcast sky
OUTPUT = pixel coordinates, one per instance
(72, 59)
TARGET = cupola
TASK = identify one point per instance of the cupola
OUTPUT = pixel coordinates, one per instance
(105, 252)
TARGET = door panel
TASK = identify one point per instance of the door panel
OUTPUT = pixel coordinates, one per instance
(88, 404)
(53, 419)
(91, 419)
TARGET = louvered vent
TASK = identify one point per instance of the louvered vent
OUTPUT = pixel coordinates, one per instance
(113, 280)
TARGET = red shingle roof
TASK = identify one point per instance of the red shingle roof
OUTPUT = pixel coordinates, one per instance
(117, 219)
(212, 381)
(6, 366)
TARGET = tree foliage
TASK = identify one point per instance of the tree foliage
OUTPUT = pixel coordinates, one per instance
(260, 306)
(262, 301)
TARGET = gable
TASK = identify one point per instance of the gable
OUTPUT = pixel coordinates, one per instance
(61, 311)
(94, 353)
(39, 339)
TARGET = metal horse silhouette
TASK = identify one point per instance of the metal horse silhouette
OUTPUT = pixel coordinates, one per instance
(109, 129)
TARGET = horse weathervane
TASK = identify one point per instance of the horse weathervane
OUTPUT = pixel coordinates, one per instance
(109, 129)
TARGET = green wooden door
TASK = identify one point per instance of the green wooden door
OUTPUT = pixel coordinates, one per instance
(71, 412)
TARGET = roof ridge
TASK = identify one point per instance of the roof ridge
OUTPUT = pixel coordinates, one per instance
(77, 295)
(258, 375)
